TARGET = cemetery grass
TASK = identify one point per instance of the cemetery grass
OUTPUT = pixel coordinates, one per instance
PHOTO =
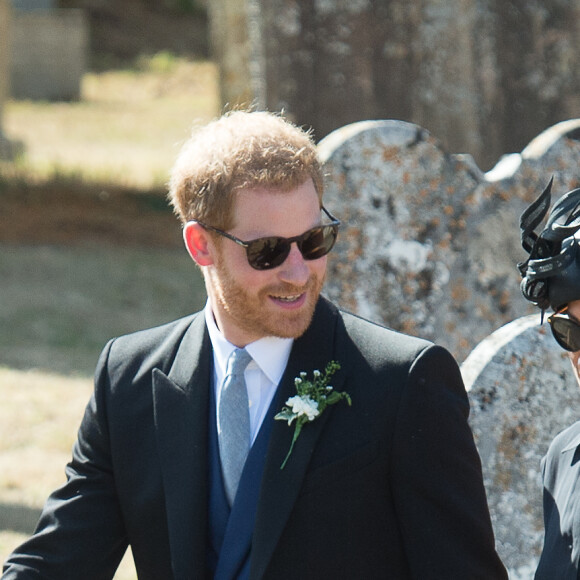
(38, 418)
(88, 250)
(126, 129)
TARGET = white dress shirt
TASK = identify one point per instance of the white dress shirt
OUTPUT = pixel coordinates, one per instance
(270, 357)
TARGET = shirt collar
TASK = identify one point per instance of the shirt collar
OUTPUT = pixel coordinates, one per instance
(270, 353)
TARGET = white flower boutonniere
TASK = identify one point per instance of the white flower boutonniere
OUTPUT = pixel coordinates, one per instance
(312, 398)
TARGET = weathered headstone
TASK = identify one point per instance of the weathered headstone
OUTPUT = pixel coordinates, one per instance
(429, 243)
(522, 393)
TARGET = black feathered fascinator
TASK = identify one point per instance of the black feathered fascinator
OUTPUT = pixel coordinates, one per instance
(551, 274)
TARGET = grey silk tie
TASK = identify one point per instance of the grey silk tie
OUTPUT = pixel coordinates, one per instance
(234, 422)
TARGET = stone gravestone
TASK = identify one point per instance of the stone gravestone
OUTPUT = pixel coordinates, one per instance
(409, 211)
(429, 243)
(522, 393)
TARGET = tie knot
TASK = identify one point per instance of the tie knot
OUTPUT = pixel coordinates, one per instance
(238, 361)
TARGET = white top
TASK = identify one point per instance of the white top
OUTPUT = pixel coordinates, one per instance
(270, 357)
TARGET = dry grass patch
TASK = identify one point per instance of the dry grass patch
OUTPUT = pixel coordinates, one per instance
(39, 417)
(127, 128)
(60, 304)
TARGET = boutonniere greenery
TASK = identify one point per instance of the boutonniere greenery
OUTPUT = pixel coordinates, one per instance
(310, 401)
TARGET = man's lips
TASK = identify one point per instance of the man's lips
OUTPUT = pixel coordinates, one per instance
(289, 300)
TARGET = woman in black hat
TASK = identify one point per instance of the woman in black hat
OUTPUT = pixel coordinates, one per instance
(551, 280)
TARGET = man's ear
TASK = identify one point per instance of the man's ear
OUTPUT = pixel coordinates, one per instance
(197, 243)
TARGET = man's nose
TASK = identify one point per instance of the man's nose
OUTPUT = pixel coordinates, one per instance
(294, 268)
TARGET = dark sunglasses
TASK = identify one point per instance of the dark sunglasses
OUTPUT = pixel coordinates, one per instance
(566, 331)
(270, 252)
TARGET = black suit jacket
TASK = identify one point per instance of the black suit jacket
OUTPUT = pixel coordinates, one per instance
(561, 475)
(390, 487)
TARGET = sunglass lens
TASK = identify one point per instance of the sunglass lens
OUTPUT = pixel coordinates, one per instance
(318, 242)
(266, 253)
(567, 333)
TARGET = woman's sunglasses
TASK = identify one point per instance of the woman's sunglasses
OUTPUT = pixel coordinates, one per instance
(270, 252)
(566, 331)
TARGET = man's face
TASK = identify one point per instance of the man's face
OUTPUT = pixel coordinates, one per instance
(249, 304)
(574, 312)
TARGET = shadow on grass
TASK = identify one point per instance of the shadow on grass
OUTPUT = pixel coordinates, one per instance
(18, 518)
(59, 305)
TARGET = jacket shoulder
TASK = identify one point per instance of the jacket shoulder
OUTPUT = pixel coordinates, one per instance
(373, 337)
(146, 349)
(168, 331)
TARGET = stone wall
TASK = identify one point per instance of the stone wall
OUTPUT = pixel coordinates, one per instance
(49, 51)
(484, 76)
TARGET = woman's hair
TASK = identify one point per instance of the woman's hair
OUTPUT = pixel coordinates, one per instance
(240, 150)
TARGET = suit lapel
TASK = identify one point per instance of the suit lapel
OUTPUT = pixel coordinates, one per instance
(280, 487)
(181, 402)
(566, 494)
